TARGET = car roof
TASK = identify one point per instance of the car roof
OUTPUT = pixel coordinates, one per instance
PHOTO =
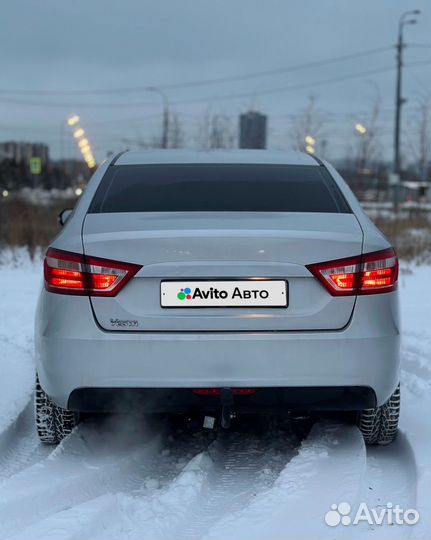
(173, 157)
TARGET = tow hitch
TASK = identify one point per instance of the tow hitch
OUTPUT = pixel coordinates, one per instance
(227, 402)
(227, 413)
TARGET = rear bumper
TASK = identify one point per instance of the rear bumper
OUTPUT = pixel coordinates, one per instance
(73, 353)
(183, 400)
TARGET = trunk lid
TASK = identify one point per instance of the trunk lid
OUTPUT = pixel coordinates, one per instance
(218, 246)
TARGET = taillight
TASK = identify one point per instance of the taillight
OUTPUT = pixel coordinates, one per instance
(72, 273)
(370, 273)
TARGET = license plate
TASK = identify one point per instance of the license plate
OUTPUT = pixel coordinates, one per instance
(224, 293)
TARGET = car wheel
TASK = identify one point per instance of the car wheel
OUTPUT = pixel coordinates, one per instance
(380, 425)
(52, 422)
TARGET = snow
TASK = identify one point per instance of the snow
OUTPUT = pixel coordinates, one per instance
(19, 286)
(121, 477)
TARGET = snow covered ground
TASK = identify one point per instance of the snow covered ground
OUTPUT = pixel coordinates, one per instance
(160, 481)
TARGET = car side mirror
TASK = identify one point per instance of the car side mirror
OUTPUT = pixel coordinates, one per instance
(64, 215)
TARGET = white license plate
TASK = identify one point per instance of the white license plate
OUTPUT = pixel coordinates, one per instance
(224, 293)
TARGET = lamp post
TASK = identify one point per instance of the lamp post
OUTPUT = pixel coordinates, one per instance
(399, 100)
(165, 125)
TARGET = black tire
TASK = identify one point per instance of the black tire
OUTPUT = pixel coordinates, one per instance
(53, 423)
(380, 425)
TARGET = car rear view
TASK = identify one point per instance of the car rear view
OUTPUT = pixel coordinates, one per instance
(226, 282)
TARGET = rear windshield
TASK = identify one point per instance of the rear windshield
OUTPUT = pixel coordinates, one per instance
(218, 188)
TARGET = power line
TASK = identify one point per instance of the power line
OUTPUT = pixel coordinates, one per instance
(144, 104)
(301, 86)
(214, 98)
(203, 82)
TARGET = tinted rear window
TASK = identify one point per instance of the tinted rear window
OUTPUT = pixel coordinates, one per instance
(218, 188)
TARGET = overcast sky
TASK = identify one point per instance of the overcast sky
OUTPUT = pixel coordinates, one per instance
(67, 46)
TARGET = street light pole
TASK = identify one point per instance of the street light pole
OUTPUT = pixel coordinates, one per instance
(165, 125)
(399, 100)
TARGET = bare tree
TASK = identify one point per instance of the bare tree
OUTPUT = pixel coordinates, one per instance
(176, 132)
(309, 124)
(368, 148)
(175, 137)
(419, 137)
(424, 137)
(216, 131)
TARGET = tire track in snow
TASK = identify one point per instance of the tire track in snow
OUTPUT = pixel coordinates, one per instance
(76, 483)
(153, 514)
(243, 467)
(216, 482)
(332, 466)
(328, 468)
(159, 512)
(75, 522)
(20, 446)
(87, 464)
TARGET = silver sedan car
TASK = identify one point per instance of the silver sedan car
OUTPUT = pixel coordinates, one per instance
(218, 283)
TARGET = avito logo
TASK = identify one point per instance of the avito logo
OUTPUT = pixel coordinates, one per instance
(184, 294)
(388, 514)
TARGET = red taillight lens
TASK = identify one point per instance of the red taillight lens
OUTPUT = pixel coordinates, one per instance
(72, 273)
(379, 272)
(370, 273)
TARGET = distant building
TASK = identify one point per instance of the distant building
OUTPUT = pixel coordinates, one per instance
(252, 130)
(23, 151)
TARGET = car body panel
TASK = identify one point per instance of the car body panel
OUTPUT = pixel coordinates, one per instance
(225, 245)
